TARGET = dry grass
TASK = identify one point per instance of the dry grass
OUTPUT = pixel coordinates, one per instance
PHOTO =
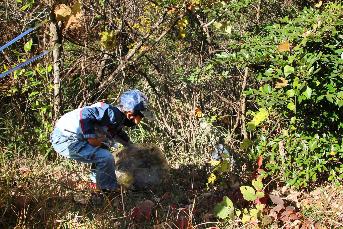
(324, 206)
(36, 193)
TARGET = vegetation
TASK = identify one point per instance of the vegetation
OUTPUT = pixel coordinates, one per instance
(247, 96)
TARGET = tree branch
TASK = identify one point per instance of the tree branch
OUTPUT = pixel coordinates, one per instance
(128, 59)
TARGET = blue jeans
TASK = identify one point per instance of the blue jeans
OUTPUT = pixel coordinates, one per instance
(80, 150)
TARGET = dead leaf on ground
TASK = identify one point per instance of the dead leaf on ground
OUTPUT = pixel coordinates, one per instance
(24, 170)
(276, 200)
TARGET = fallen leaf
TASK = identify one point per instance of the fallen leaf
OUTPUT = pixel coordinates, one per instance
(276, 200)
(277, 208)
(24, 170)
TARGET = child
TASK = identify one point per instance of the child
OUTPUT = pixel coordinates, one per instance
(77, 136)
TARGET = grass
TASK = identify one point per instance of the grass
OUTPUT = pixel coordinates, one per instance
(37, 193)
(42, 194)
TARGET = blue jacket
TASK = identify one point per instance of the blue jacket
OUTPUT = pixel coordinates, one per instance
(83, 122)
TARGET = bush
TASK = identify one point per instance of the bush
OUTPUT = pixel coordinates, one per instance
(297, 64)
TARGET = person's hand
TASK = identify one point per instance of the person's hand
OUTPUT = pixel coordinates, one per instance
(95, 141)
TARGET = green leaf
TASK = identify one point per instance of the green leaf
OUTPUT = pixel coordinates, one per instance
(212, 178)
(258, 185)
(28, 45)
(308, 92)
(246, 218)
(228, 202)
(267, 88)
(251, 126)
(288, 70)
(259, 117)
(291, 106)
(217, 25)
(269, 72)
(254, 214)
(290, 93)
(49, 68)
(224, 167)
(260, 207)
(224, 209)
(329, 97)
(259, 194)
(246, 143)
(340, 102)
(296, 83)
(248, 193)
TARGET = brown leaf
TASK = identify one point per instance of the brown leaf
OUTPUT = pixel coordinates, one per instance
(282, 82)
(319, 4)
(142, 210)
(62, 12)
(171, 10)
(284, 47)
(198, 112)
(273, 214)
(74, 21)
(276, 200)
(278, 208)
(182, 222)
(259, 161)
(24, 170)
(287, 215)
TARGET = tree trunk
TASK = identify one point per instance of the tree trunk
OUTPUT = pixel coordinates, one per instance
(56, 42)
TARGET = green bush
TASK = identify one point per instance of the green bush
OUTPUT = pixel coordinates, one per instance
(297, 64)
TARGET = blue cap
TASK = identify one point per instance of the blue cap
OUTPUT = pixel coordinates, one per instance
(134, 101)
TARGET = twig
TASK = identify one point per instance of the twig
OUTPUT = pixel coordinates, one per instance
(241, 111)
(244, 132)
(122, 200)
(200, 224)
